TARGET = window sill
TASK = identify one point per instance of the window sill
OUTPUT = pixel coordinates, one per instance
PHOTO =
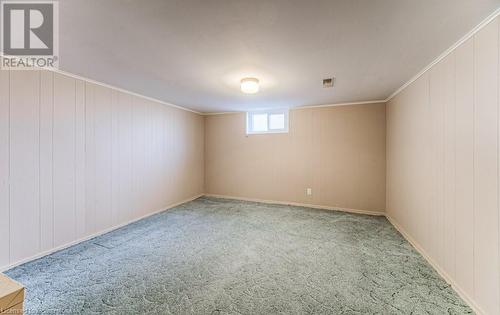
(265, 132)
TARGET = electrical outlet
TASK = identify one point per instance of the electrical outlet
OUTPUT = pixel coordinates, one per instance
(309, 191)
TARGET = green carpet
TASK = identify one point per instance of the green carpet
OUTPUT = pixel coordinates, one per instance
(215, 256)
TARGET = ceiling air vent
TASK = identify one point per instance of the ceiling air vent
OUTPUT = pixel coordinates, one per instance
(328, 83)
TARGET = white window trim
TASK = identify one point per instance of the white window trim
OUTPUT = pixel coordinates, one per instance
(268, 112)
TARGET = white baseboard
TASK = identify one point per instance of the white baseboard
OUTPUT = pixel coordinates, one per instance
(398, 227)
(469, 300)
(276, 202)
(407, 236)
(86, 238)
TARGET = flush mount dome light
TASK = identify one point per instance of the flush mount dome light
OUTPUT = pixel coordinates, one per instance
(249, 85)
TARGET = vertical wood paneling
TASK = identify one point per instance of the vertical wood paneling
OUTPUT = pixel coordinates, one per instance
(486, 263)
(168, 153)
(146, 155)
(64, 159)
(437, 183)
(498, 156)
(449, 166)
(162, 138)
(24, 164)
(372, 159)
(125, 198)
(339, 152)
(175, 149)
(152, 175)
(80, 150)
(409, 138)
(147, 124)
(78, 158)
(159, 158)
(46, 160)
(464, 176)
(90, 161)
(103, 152)
(138, 156)
(115, 157)
(421, 192)
(4, 167)
(464, 144)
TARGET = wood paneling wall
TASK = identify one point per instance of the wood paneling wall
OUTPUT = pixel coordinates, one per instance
(78, 158)
(339, 152)
(443, 166)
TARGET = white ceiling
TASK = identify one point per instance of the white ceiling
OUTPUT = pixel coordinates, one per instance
(193, 53)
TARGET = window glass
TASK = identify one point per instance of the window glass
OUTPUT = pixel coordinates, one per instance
(276, 121)
(267, 121)
(259, 122)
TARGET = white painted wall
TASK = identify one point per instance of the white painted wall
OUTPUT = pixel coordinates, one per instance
(77, 158)
(443, 166)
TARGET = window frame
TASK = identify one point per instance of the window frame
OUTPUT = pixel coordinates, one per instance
(249, 121)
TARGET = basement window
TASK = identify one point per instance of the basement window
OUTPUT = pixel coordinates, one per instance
(267, 121)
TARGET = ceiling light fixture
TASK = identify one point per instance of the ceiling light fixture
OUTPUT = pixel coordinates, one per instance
(249, 85)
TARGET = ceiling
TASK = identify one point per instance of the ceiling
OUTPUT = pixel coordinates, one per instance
(193, 53)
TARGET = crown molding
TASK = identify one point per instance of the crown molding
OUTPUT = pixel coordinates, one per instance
(469, 35)
(81, 78)
(306, 107)
(462, 40)
(341, 104)
(74, 76)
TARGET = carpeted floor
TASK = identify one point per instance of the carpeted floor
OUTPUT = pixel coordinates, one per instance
(214, 256)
